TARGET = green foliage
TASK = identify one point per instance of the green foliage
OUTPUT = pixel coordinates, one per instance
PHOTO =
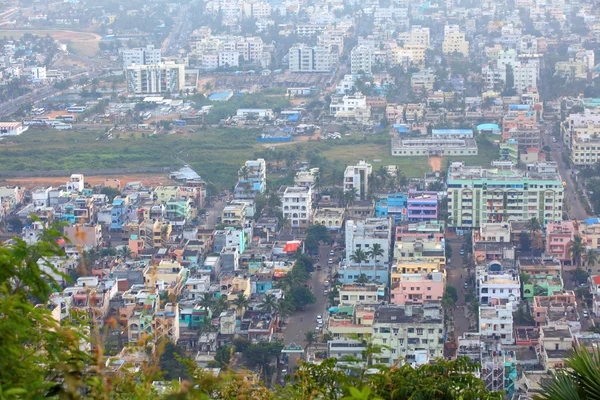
(450, 296)
(171, 362)
(110, 192)
(525, 241)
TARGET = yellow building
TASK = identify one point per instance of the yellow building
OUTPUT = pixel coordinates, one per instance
(332, 218)
(417, 266)
(165, 193)
(168, 275)
(455, 43)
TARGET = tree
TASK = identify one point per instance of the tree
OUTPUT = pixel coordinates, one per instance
(261, 355)
(207, 301)
(376, 251)
(302, 296)
(362, 278)
(125, 252)
(579, 379)
(450, 296)
(171, 362)
(309, 338)
(223, 355)
(576, 249)
(240, 303)
(349, 197)
(590, 258)
(268, 304)
(448, 248)
(580, 275)
(358, 257)
(110, 192)
(524, 241)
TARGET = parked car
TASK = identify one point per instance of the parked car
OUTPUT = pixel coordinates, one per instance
(466, 285)
(585, 314)
(331, 253)
(330, 261)
(326, 283)
(462, 252)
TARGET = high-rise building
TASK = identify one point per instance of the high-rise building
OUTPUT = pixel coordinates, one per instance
(502, 192)
(357, 177)
(361, 60)
(303, 58)
(155, 78)
(141, 56)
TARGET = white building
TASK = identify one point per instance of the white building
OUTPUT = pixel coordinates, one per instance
(364, 234)
(156, 78)
(141, 56)
(12, 128)
(303, 58)
(76, 183)
(38, 74)
(297, 206)
(361, 60)
(229, 59)
(357, 176)
(497, 321)
(416, 35)
(350, 107)
(405, 331)
(501, 288)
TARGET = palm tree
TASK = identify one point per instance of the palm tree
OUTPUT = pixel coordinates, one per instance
(284, 308)
(240, 303)
(207, 86)
(534, 227)
(207, 301)
(221, 305)
(317, 184)
(125, 252)
(349, 196)
(358, 257)
(580, 379)
(362, 278)
(376, 251)
(576, 249)
(244, 172)
(268, 304)
(382, 176)
(590, 258)
(309, 337)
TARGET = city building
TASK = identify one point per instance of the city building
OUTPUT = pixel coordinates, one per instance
(304, 58)
(141, 56)
(422, 206)
(365, 234)
(297, 206)
(416, 288)
(394, 206)
(156, 78)
(454, 41)
(406, 331)
(356, 178)
(252, 179)
(361, 60)
(497, 321)
(558, 237)
(500, 193)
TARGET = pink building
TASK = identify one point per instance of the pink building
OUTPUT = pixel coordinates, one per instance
(558, 236)
(417, 288)
(517, 119)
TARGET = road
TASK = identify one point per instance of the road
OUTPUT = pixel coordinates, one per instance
(305, 321)
(456, 276)
(210, 220)
(575, 208)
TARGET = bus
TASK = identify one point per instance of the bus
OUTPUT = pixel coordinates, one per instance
(76, 109)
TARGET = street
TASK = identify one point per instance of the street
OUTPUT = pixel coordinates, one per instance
(456, 276)
(575, 208)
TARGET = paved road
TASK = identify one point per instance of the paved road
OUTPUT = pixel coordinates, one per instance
(456, 276)
(575, 208)
(214, 211)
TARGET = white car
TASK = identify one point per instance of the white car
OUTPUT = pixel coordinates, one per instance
(319, 319)
(330, 261)
(585, 314)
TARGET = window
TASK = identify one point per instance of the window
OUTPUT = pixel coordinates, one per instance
(401, 341)
(419, 331)
(411, 330)
(428, 287)
(384, 330)
(430, 331)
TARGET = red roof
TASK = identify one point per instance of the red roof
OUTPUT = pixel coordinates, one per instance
(292, 247)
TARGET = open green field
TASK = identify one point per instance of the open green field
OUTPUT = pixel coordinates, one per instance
(215, 153)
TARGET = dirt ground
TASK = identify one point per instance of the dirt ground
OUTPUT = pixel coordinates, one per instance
(147, 179)
(435, 163)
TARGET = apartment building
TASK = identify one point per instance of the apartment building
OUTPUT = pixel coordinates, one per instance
(404, 331)
(416, 35)
(422, 206)
(141, 56)
(331, 218)
(364, 234)
(454, 41)
(517, 117)
(558, 308)
(525, 138)
(361, 293)
(416, 288)
(350, 107)
(304, 58)
(503, 193)
(297, 206)
(156, 78)
(357, 177)
(558, 237)
(589, 230)
(234, 215)
(252, 179)
(497, 321)
(498, 287)
(361, 60)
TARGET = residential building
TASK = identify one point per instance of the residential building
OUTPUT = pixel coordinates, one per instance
(518, 117)
(85, 236)
(501, 193)
(409, 147)
(234, 215)
(422, 206)
(331, 218)
(351, 321)
(350, 107)
(498, 285)
(416, 288)
(404, 331)
(416, 35)
(492, 232)
(497, 321)
(252, 179)
(361, 60)
(394, 206)
(365, 234)
(558, 237)
(361, 294)
(303, 58)
(297, 206)
(356, 178)
(156, 78)
(141, 56)
(589, 230)
(557, 345)
(454, 41)
(525, 138)
(559, 308)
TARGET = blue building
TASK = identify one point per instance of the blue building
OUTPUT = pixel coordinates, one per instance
(118, 214)
(350, 273)
(394, 206)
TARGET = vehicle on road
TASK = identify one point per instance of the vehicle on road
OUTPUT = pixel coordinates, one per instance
(330, 261)
(319, 318)
(325, 292)
(462, 252)
(331, 253)
(326, 283)
(466, 285)
(585, 314)
(318, 267)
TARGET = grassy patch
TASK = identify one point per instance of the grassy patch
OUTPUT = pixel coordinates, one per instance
(87, 49)
(487, 152)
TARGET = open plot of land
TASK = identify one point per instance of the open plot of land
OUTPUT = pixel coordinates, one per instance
(146, 179)
(83, 43)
